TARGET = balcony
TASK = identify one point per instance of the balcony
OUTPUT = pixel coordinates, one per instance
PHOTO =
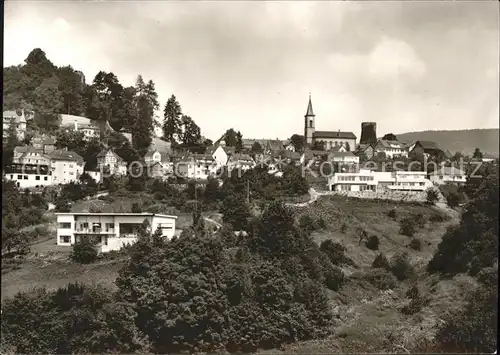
(93, 231)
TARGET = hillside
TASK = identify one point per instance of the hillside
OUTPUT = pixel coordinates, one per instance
(458, 140)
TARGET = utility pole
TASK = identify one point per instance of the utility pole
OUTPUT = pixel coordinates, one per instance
(248, 191)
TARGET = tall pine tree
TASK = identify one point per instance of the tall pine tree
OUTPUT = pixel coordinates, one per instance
(172, 120)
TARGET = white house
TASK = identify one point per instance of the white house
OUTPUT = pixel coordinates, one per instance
(240, 161)
(196, 166)
(111, 163)
(66, 166)
(391, 149)
(28, 175)
(447, 175)
(379, 180)
(343, 157)
(30, 155)
(111, 231)
(18, 120)
(220, 156)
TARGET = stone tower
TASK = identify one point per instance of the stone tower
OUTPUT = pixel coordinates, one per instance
(368, 133)
(309, 124)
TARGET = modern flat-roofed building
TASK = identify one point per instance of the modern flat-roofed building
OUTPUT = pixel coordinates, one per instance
(379, 180)
(112, 231)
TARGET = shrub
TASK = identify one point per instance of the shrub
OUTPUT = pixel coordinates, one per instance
(321, 223)
(372, 242)
(334, 277)
(419, 220)
(85, 251)
(136, 208)
(381, 262)
(306, 223)
(335, 252)
(407, 226)
(416, 244)
(414, 306)
(401, 267)
(343, 228)
(392, 213)
(382, 279)
(413, 292)
(437, 218)
(432, 196)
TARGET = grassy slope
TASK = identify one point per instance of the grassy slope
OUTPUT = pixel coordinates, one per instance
(459, 140)
(368, 319)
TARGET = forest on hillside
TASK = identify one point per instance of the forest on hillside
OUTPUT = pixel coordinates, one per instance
(465, 141)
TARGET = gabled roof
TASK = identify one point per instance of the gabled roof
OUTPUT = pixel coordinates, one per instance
(43, 140)
(241, 157)
(105, 151)
(428, 145)
(26, 148)
(363, 147)
(332, 134)
(384, 143)
(66, 155)
(337, 148)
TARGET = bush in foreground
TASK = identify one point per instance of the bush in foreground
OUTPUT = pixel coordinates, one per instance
(381, 262)
(372, 243)
(401, 267)
(408, 226)
(84, 252)
(416, 244)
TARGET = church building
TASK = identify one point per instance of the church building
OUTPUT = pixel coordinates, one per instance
(330, 139)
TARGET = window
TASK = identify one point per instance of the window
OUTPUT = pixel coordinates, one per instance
(440, 177)
(25, 177)
(109, 226)
(65, 239)
(105, 239)
(65, 225)
(19, 177)
(85, 225)
(45, 178)
(11, 176)
(37, 177)
(71, 166)
(310, 123)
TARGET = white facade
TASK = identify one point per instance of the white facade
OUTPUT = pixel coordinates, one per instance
(32, 156)
(29, 180)
(391, 149)
(220, 157)
(65, 171)
(110, 161)
(11, 117)
(377, 181)
(448, 175)
(96, 175)
(196, 168)
(112, 230)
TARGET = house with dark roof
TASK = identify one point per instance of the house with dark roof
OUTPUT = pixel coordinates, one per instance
(330, 139)
(425, 147)
(391, 149)
(365, 150)
(43, 143)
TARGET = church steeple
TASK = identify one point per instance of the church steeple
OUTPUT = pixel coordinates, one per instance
(309, 123)
(310, 111)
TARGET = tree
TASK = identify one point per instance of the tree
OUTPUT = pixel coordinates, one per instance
(146, 105)
(390, 137)
(298, 142)
(11, 143)
(318, 145)
(239, 142)
(256, 148)
(136, 208)
(477, 154)
(84, 251)
(127, 111)
(71, 88)
(432, 196)
(172, 120)
(235, 212)
(231, 138)
(48, 103)
(191, 134)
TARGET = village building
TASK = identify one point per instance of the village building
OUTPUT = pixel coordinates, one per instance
(28, 175)
(44, 143)
(391, 149)
(447, 175)
(30, 155)
(16, 118)
(369, 180)
(240, 161)
(111, 231)
(196, 166)
(425, 148)
(111, 163)
(65, 166)
(330, 139)
(365, 151)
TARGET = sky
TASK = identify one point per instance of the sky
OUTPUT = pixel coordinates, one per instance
(408, 66)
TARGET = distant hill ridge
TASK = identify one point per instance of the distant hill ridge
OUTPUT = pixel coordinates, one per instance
(464, 141)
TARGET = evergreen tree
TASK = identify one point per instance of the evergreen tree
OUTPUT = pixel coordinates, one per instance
(172, 120)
